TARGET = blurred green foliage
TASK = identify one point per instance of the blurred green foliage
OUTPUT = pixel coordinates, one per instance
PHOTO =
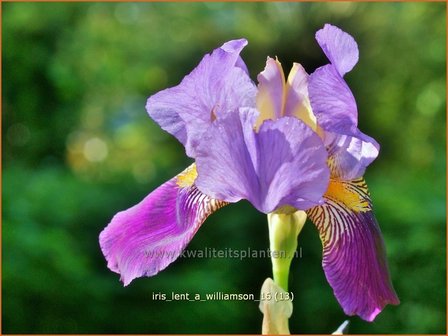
(78, 147)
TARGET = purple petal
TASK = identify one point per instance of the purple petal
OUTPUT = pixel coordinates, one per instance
(335, 108)
(271, 91)
(146, 238)
(354, 258)
(219, 84)
(349, 156)
(297, 103)
(290, 169)
(283, 164)
(332, 101)
(340, 48)
(224, 162)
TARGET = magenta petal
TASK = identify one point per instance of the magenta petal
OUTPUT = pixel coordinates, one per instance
(340, 48)
(354, 258)
(219, 84)
(146, 238)
(283, 164)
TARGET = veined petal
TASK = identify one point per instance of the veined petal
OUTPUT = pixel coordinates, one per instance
(297, 103)
(354, 258)
(332, 101)
(290, 170)
(219, 84)
(224, 161)
(349, 156)
(340, 48)
(283, 164)
(271, 92)
(335, 108)
(146, 238)
(350, 151)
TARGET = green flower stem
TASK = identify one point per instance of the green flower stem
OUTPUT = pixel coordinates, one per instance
(284, 228)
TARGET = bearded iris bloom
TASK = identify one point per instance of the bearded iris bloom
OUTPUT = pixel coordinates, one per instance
(287, 145)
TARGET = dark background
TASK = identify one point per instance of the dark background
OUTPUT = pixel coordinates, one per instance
(78, 147)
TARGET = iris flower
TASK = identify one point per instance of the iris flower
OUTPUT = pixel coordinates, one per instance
(285, 145)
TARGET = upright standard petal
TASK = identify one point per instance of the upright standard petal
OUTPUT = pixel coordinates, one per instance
(354, 258)
(350, 151)
(219, 84)
(271, 92)
(297, 103)
(335, 107)
(283, 164)
(332, 101)
(146, 238)
(278, 97)
(340, 48)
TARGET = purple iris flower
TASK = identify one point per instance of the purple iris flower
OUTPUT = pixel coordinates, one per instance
(284, 145)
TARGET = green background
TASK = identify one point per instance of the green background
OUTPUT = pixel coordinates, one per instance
(78, 147)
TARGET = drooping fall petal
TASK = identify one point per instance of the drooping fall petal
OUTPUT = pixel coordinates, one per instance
(143, 240)
(354, 257)
(219, 84)
(284, 163)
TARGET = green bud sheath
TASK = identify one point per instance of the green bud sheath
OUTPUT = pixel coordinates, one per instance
(284, 228)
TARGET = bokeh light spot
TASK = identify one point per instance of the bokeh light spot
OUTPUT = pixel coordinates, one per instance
(95, 150)
(429, 100)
